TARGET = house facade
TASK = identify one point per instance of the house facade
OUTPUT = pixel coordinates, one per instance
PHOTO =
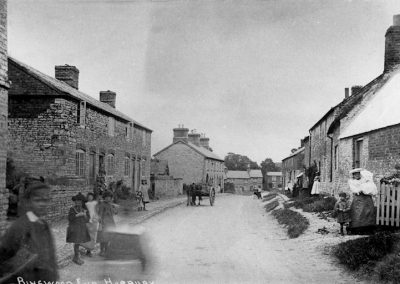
(274, 180)
(4, 86)
(362, 130)
(190, 158)
(292, 166)
(70, 138)
(162, 183)
(245, 181)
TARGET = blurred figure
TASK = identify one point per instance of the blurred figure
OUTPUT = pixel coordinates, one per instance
(27, 251)
(93, 224)
(107, 210)
(77, 232)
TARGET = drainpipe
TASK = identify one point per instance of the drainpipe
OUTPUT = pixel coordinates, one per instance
(331, 172)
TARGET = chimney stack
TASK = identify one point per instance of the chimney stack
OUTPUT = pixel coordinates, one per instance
(108, 97)
(205, 142)
(346, 93)
(180, 134)
(68, 74)
(194, 138)
(392, 46)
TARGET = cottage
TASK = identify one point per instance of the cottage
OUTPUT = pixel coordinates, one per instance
(292, 166)
(4, 86)
(362, 130)
(245, 181)
(191, 158)
(274, 180)
(70, 138)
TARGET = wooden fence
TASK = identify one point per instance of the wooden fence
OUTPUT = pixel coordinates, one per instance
(388, 205)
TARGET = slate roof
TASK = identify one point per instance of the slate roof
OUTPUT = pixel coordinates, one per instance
(295, 153)
(256, 174)
(238, 174)
(381, 111)
(66, 89)
(201, 150)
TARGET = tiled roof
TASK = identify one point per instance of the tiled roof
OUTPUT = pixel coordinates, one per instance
(72, 92)
(295, 153)
(237, 174)
(256, 174)
(205, 152)
(274, 173)
(201, 150)
(381, 111)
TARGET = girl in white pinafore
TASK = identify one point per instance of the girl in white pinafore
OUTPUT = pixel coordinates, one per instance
(316, 186)
(93, 224)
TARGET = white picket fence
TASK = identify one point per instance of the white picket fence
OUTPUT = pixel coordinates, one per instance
(388, 206)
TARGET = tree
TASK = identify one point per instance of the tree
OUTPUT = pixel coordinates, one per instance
(237, 162)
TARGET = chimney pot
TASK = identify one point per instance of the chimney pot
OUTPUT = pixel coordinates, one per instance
(68, 74)
(108, 97)
(346, 93)
(392, 46)
(194, 138)
(180, 134)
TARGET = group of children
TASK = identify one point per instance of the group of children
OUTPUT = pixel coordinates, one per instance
(90, 221)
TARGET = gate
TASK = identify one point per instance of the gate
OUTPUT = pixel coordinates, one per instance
(388, 206)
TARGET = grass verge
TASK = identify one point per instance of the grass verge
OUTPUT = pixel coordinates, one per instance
(295, 222)
(365, 253)
(315, 203)
(269, 197)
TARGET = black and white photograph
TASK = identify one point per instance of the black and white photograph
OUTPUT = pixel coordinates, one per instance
(199, 141)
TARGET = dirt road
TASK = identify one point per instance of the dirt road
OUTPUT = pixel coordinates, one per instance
(234, 241)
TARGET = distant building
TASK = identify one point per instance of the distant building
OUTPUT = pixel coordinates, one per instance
(274, 180)
(4, 86)
(69, 138)
(292, 166)
(190, 158)
(245, 181)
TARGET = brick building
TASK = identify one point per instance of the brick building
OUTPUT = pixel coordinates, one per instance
(245, 181)
(4, 86)
(68, 137)
(190, 158)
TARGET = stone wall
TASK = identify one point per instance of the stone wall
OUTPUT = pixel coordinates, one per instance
(241, 185)
(3, 113)
(184, 162)
(167, 186)
(46, 133)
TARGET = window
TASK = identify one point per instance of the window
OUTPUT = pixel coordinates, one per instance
(111, 126)
(336, 157)
(358, 153)
(92, 166)
(81, 113)
(127, 168)
(80, 163)
(144, 138)
(110, 164)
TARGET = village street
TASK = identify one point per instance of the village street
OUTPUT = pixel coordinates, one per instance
(234, 241)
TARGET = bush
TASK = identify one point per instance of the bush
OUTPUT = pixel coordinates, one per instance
(389, 269)
(271, 206)
(355, 253)
(269, 196)
(295, 222)
(315, 203)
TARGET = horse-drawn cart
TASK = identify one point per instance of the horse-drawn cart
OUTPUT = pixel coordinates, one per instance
(201, 190)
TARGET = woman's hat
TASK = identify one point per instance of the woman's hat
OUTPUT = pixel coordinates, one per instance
(357, 170)
(77, 197)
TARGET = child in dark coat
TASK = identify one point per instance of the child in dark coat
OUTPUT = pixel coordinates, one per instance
(77, 232)
(342, 207)
(29, 242)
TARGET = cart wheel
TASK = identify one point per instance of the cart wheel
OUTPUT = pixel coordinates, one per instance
(212, 196)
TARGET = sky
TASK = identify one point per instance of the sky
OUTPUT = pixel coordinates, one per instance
(252, 75)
